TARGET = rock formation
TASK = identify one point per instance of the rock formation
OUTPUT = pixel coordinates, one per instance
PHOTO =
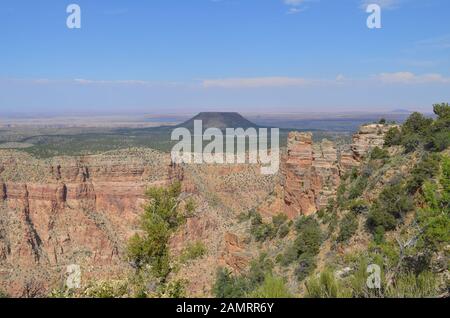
(71, 211)
(367, 138)
(311, 173)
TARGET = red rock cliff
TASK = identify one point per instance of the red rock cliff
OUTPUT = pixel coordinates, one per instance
(77, 211)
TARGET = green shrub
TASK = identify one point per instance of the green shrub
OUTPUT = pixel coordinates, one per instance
(283, 231)
(358, 206)
(263, 232)
(106, 289)
(272, 287)
(279, 220)
(378, 234)
(358, 187)
(390, 207)
(411, 142)
(436, 229)
(379, 218)
(174, 289)
(417, 124)
(306, 265)
(427, 168)
(259, 268)
(393, 137)
(309, 235)
(326, 285)
(348, 227)
(409, 285)
(394, 200)
(230, 286)
(379, 154)
(193, 251)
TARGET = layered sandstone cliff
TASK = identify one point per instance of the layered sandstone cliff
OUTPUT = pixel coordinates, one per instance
(311, 172)
(63, 211)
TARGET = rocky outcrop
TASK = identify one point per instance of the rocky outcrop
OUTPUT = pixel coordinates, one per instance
(367, 138)
(311, 172)
(234, 255)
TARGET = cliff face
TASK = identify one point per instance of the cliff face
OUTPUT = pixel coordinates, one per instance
(311, 173)
(74, 211)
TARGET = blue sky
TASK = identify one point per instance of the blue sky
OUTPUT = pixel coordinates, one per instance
(237, 55)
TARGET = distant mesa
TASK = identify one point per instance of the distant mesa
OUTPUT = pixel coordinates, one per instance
(221, 120)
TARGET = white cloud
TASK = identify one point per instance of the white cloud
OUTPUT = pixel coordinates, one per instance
(411, 78)
(296, 6)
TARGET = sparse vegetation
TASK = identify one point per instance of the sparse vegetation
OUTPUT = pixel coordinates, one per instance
(193, 251)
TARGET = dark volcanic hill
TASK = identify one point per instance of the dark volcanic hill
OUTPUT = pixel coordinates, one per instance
(219, 120)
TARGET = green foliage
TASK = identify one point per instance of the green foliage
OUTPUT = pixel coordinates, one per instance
(445, 183)
(379, 154)
(436, 229)
(358, 187)
(427, 168)
(193, 251)
(378, 234)
(419, 130)
(439, 136)
(347, 227)
(305, 247)
(306, 265)
(160, 218)
(263, 231)
(340, 195)
(106, 289)
(309, 235)
(230, 286)
(259, 268)
(417, 124)
(174, 289)
(279, 220)
(358, 206)
(382, 121)
(190, 207)
(380, 218)
(326, 286)
(389, 208)
(272, 287)
(283, 231)
(393, 137)
(409, 285)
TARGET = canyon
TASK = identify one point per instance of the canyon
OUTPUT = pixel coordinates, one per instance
(82, 210)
